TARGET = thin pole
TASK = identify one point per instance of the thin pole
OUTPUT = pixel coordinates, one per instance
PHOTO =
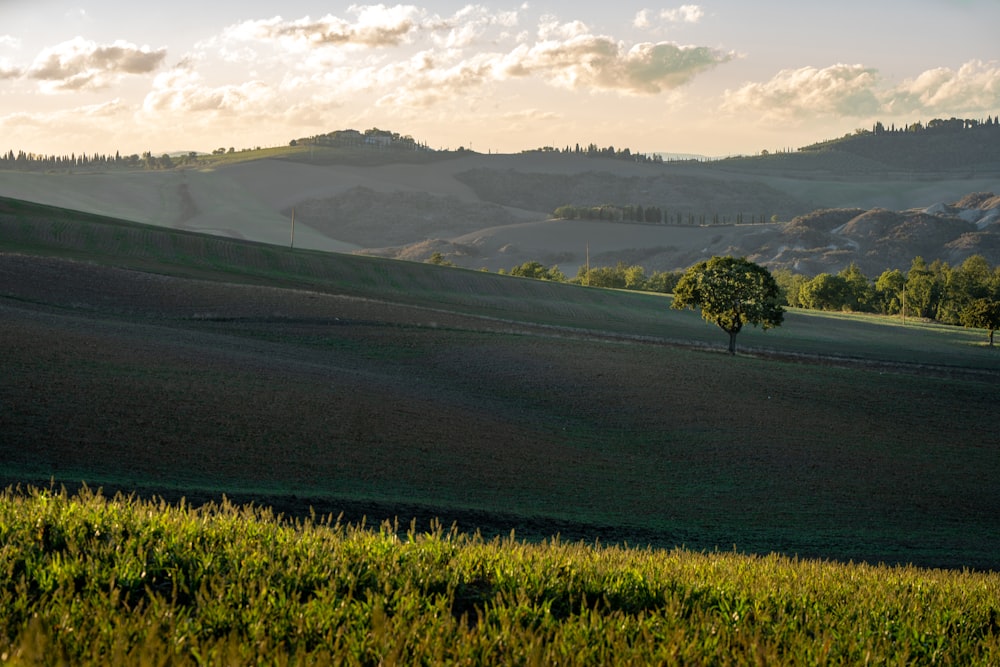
(293, 228)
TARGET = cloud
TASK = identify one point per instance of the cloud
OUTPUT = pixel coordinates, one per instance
(424, 80)
(10, 42)
(80, 64)
(857, 91)
(97, 120)
(683, 14)
(469, 24)
(9, 71)
(374, 26)
(585, 62)
(533, 115)
(838, 90)
(549, 28)
(182, 90)
(591, 62)
(975, 86)
(447, 68)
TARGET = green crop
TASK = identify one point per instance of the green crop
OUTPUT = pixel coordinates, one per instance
(85, 579)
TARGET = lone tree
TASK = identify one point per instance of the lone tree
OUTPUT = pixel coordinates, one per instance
(982, 314)
(731, 292)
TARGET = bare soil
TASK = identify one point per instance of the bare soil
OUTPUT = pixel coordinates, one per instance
(305, 399)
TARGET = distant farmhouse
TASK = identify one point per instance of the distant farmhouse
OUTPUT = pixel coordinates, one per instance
(374, 139)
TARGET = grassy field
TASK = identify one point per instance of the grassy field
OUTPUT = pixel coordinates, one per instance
(87, 580)
(181, 365)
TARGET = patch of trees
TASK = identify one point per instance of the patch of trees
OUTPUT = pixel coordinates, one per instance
(594, 151)
(967, 294)
(651, 214)
(371, 139)
(40, 162)
(620, 276)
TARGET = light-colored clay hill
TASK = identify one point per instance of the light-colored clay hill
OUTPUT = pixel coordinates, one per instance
(493, 211)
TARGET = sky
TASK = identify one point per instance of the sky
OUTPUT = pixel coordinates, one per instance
(720, 77)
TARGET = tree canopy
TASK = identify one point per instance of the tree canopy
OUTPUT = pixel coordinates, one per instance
(731, 292)
(983, 314)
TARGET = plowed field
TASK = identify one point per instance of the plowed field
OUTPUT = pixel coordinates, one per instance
(309, 399)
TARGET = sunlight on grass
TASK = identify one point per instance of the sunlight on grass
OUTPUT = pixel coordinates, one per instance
(91, 581)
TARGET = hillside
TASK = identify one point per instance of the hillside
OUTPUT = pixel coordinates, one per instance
(941, 145)
(177, 364)
(493, 211)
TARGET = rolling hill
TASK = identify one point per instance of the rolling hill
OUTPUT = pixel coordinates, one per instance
(178, 364)
(493, 211)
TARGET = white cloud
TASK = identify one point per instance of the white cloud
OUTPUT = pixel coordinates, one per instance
(80, 64)
(469, 24)
(857, 91)
(447, 66)
(682, 14)
(974, 87)
(838, 90)
(549, 28)
(99, 123)
(54, 119)
(10, 42)
(425, 80)
(591, 62)
(9, 70)
(182, 90)
(374, 26)
(584, 62)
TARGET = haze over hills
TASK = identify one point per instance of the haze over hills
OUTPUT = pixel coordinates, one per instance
(897, 194)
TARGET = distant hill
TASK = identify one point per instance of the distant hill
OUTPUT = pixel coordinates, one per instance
(382, 193)
(879, 239)
(938, 146)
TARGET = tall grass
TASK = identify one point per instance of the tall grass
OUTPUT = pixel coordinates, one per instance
(89, 580)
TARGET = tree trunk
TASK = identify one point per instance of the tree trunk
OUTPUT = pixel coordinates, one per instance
(991, 337)
(732, 342)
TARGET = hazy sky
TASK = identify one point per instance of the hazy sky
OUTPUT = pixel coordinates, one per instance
(717, 77)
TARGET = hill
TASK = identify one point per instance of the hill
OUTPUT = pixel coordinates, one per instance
(493, 211)
(178, 364)
(941, 145)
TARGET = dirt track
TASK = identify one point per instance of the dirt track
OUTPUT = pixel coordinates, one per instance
(293, 398)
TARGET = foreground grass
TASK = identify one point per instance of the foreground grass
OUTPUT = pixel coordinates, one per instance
(88, 580)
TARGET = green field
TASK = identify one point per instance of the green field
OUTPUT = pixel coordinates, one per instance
(87, 580)
(182, 365)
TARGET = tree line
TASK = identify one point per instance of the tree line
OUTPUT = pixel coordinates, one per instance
(594, 151)
(966, 295)
(652, 214)
(963, 294)
(42, 162)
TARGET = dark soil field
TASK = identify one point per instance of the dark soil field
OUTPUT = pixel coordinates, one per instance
(315, 398)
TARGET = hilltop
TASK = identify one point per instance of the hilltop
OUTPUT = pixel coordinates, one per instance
(386, 194)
